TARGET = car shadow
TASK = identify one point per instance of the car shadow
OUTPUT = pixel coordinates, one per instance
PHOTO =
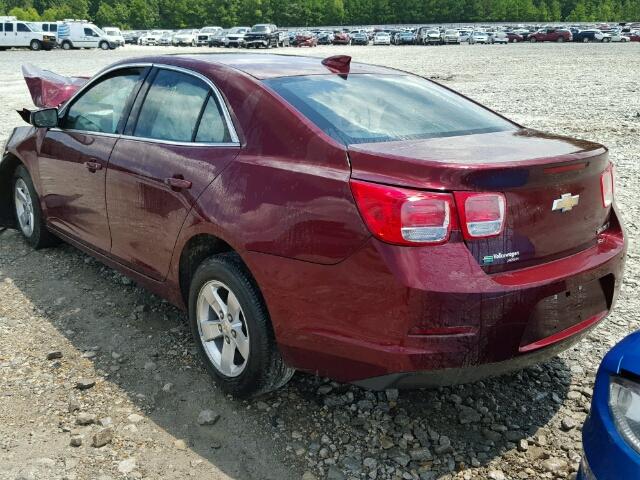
(142, 345)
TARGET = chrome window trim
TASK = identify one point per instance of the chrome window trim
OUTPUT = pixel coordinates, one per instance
(235, 141)
(182, 144)
(145, 139)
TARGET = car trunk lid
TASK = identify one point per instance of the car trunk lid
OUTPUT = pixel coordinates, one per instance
(536, 172)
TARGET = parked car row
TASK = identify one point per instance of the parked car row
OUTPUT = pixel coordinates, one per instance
(503, 35)
(72, 33)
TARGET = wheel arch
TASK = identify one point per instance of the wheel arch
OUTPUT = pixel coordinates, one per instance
(198, 248)
(8, 166)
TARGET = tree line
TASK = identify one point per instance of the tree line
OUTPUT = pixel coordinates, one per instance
(171, 14)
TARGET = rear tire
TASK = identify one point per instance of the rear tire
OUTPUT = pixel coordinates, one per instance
(533, 40)
(255, 366)
(26, 208)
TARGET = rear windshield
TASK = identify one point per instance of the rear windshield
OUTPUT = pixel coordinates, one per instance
(365, 108)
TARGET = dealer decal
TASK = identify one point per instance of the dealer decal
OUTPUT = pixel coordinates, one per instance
(509, 257)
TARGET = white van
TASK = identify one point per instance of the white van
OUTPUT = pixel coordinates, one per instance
(115, 35)
(81, 34)
(49, 27)
(16, 34)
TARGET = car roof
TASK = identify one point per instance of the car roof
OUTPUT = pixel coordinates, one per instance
(265, 66)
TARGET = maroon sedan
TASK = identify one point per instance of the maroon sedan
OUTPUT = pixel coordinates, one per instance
(341, 38)
(306, 39)
(551, 35)
(514, 37)
(343, 219)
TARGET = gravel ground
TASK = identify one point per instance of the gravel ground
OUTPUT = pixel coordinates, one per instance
(87, 358)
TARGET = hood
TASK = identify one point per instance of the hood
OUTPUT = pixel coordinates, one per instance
(49, 89)
(625, 356)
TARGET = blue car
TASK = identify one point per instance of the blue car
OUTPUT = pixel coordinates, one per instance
(611, 433)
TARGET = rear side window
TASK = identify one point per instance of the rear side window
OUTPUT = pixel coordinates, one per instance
(101, 107)
(173, 107)
(212, 128)
(362, 108)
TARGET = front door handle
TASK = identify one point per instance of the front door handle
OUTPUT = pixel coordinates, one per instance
(178, 183)
(93, 166)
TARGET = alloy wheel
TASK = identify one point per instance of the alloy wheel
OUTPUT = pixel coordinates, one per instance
(223, 329)
(24, 207)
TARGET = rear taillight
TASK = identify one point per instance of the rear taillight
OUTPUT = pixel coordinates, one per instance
(482, 215)
(606, 186)
(403, 216)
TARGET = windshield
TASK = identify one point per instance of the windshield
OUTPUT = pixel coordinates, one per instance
(364, 108)
(34, 27)
(185, 31)
(260, 28)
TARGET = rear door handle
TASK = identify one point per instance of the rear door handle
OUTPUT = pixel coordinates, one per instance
(93, 166)
(178, 183)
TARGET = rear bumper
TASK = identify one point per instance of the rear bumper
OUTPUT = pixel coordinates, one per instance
(454, 376)
(430, 316)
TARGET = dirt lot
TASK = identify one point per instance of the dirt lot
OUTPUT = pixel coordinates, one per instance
(150, 389)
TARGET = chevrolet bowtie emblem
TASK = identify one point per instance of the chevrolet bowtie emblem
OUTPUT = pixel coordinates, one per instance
(566, 202)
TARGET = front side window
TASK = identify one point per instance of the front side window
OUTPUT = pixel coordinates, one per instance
(22, 27)
(364, 108)
(90, 33)
(172, 107)
(101, 107)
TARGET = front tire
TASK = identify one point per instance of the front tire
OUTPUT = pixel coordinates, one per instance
(104, 46)
(28, 213)
(35, 45)
(231, 326)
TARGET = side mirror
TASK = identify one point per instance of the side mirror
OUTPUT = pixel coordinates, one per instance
(45, 118)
